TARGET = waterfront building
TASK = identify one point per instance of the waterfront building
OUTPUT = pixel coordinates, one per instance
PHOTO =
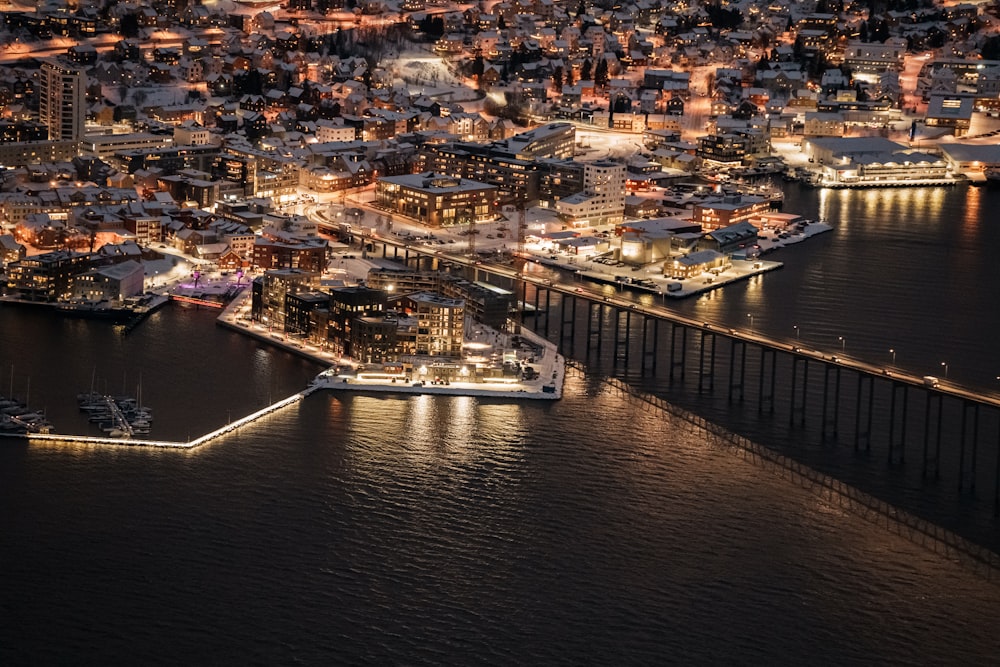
(306, 313)
(971, 158)
(436, 200)
(736, 239)
(889, 168)
(486, 303)
(269, 294)
(346, 305)
(720, 212)
(62, 99)
(374, 338)
(695, 264)
(440, 323)
(114, 282)
(47, 277)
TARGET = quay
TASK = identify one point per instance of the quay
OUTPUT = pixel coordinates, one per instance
(547, 385)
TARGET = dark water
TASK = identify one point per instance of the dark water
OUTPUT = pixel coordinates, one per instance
(352, 529)
(909, 269)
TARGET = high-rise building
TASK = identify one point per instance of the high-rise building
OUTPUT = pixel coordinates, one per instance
(62, 104)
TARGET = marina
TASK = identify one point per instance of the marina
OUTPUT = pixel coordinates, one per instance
(19, 419)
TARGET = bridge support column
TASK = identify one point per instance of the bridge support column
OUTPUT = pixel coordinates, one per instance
(548, 308)
(766, 385)
(593, 332)
(831, 421)
(864, 415)
(736, 383)
(799, 406)
(928, 462)
(706, 336)
(567, 327)
(649, 355)
(966, 408)
(621, 343)
(903, 402)
(676, 362)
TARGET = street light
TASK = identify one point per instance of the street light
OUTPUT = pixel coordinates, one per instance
(945, 367)
(797, 332)
(843, 343)
(892, 351)
(750, 316)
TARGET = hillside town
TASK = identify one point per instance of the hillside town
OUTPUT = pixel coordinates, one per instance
(152, 149)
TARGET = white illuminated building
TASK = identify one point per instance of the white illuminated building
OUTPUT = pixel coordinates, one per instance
(602, 200)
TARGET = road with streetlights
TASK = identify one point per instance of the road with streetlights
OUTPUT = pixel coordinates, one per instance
(624, 301)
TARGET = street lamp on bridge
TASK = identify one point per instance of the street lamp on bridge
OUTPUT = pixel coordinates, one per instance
(843, 343)
(892, 351)
(944, 365)
(750, 317)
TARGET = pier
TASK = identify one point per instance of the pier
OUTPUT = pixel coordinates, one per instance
(58, 439)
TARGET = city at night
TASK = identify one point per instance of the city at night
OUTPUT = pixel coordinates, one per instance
(499, 332)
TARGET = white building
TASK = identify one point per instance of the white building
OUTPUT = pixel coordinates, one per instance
(114, 282)
(602, 200)
(328, 131)
(62, 99)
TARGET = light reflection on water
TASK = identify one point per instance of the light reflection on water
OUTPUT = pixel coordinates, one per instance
(442, 530)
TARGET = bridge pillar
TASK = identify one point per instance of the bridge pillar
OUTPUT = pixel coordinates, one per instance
(898, 389)
(600, 328)
(706, 336)
(676, 362)
(859, 414)
(766, 385)
(830, 421)
(548, 308)
(591, 333)
(649, 355)
(798, 406)
(536, 303)
(622, 344)
(736, 384)
(928, 462)
(567, 328)
(966, 406)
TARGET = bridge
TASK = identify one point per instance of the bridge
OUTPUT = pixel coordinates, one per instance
(952, 431)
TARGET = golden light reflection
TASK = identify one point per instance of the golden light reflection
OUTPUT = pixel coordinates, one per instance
(824, 204)
(973, 202)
